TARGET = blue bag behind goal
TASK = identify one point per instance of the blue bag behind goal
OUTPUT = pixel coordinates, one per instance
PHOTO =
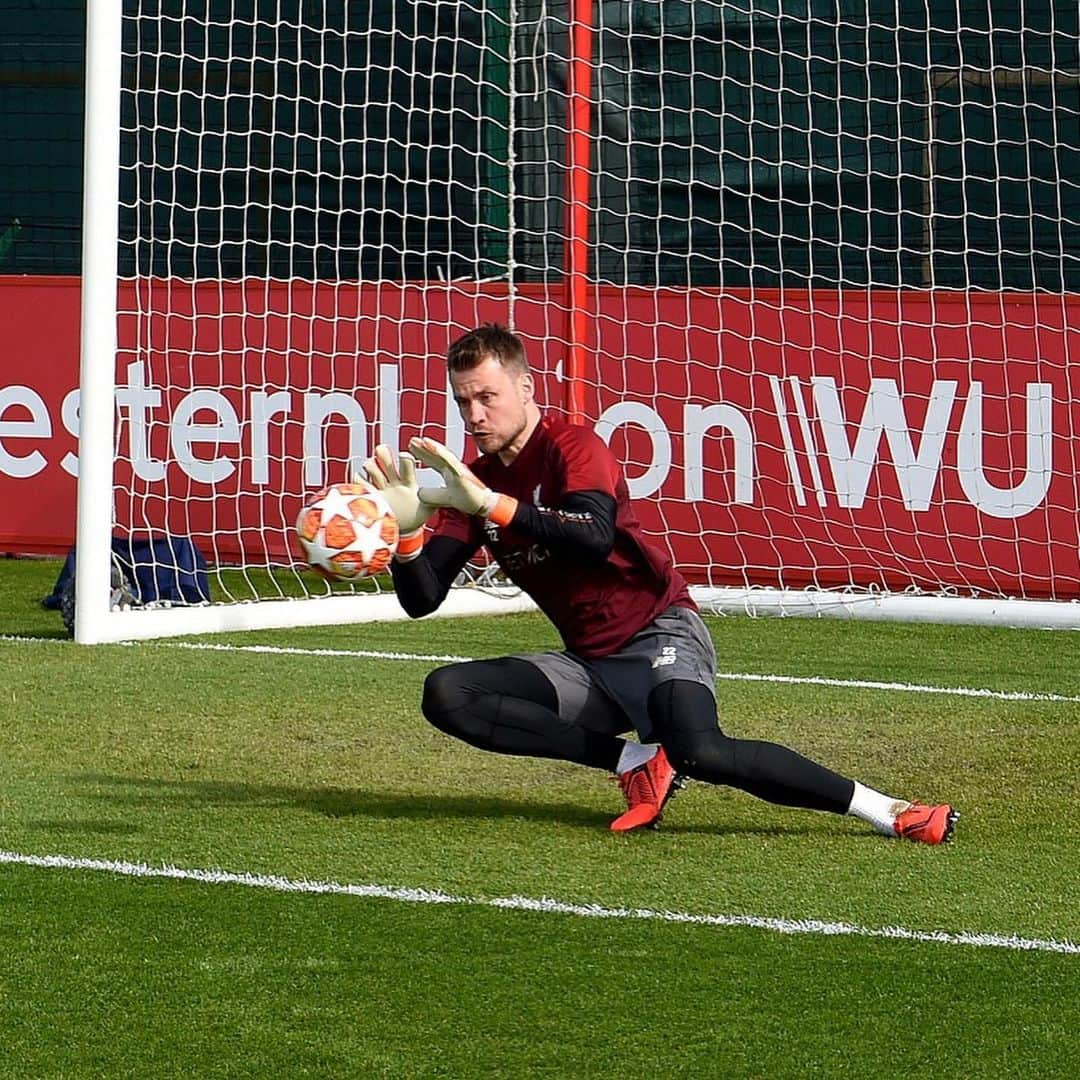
(169, 569)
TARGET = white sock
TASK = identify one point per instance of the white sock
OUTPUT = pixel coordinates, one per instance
(635, 754)
(877, 809)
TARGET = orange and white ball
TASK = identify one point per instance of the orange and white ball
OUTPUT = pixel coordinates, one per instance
(347, 531)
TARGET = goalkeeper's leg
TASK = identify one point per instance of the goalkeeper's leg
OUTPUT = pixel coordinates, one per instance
(684, 719)
(683, 715)
(509, 706)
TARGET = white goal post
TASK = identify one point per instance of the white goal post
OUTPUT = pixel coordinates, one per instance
(814, 277)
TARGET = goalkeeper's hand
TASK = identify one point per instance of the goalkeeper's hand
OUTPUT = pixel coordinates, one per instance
(397, 483)
(463, 490)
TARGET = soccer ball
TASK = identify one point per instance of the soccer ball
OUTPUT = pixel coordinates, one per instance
(347, 531)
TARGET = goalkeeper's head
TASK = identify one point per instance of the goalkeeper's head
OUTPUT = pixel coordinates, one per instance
(493, 388)
(490, 340)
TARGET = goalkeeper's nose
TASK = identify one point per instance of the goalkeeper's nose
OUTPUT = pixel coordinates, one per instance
(474, 415)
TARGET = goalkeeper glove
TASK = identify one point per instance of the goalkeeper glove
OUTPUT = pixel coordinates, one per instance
(397, 484)
(463, 490)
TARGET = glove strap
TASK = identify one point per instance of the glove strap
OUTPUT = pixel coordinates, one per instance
(409, 546)
(500, 508)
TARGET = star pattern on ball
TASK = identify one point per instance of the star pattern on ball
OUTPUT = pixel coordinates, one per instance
(347, 531)
(337, 502)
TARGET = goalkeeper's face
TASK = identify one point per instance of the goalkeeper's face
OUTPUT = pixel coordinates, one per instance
(497, 406)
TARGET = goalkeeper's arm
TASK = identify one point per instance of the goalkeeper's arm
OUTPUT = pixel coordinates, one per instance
(584, 524)
(423, 580)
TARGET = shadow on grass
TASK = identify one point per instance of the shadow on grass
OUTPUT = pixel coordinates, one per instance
(36, 632)
(410, 806)
(334, 802)
(100, 828)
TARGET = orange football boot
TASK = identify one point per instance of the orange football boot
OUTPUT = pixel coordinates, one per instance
(926, 824)
(647, 789)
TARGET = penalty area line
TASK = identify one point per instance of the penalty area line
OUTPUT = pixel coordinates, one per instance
(543, 905)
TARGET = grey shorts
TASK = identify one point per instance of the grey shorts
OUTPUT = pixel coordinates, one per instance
(609, 693)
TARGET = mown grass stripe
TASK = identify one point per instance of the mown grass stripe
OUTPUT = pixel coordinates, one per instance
(723, 676)
(544, 905)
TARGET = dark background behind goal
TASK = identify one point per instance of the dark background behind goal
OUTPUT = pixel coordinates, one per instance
(743, 144)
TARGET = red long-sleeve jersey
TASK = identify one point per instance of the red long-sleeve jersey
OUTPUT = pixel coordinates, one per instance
(574, 544)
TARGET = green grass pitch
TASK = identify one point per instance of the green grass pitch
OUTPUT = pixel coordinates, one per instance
(319, 768)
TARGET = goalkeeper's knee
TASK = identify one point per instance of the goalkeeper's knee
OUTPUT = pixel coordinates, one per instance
(443, 696)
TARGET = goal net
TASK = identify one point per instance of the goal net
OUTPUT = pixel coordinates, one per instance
(812, 271)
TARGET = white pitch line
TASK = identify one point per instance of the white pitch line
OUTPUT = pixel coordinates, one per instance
(290, 650)
(278, 650)
(722, 676)
(545, 905)
(907, 688)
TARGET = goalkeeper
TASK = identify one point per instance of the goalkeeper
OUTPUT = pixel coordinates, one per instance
(550, 502)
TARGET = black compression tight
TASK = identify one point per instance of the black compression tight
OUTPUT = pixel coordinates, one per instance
(683, 715)
(509, 706)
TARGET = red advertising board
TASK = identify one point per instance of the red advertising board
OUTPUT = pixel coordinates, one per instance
(890, 438)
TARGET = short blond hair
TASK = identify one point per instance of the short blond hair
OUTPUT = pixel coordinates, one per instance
(491, 339)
